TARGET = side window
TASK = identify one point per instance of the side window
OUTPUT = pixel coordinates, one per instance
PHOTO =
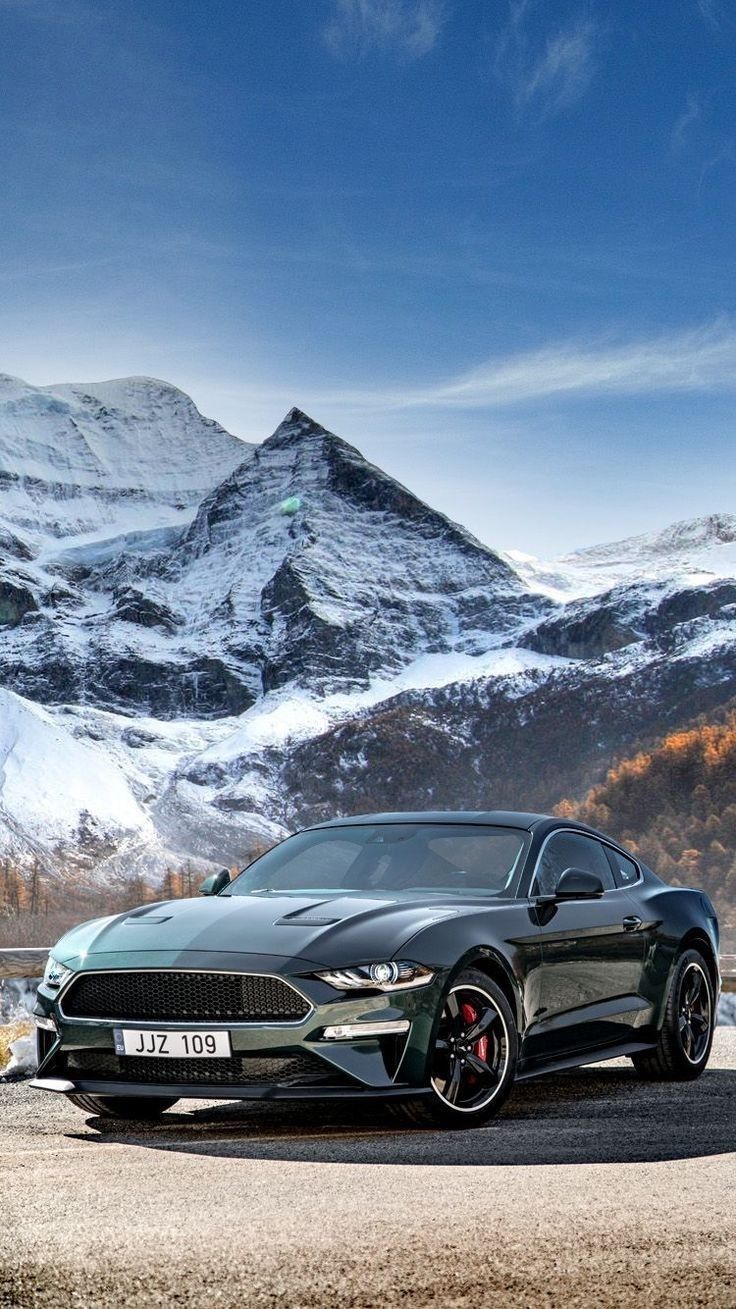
(570, 850)
(625, 871)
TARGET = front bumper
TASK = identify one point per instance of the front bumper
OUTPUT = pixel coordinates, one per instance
(273, 1060)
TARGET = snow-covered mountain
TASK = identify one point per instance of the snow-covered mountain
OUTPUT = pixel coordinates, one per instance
(694, 551)
(306, 565)
(81, 462)
(107, 471)
(203, 643)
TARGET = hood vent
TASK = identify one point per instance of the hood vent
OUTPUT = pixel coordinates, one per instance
(298, 920)
(141, 921)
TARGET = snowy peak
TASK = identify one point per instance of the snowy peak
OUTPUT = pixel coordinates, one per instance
(690, 552)
(296, 426)
(79, 460)
(134, 433)
(305, 565)
(11, 387)
(676, 539)
(304, 489)
(342, 470)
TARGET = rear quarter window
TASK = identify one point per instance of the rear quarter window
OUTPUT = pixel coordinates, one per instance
(625, 871)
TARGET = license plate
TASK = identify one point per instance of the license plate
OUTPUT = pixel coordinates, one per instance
(172, 1045)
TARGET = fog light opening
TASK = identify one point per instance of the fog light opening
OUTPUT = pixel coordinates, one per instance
(353, 1031)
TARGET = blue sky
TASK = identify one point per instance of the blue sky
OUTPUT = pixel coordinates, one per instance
(490, 243)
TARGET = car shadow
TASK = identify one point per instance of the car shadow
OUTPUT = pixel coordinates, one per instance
(586, 1117)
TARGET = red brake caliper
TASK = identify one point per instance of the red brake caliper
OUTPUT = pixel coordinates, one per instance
(470, 1015)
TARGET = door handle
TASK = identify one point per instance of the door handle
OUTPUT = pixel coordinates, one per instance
(631, 922)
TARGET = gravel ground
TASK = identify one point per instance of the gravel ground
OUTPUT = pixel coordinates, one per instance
(591, 1189)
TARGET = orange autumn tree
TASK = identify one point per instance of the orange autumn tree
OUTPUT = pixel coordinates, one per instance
(675, 805)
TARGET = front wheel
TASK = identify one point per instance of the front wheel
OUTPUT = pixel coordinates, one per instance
(140, 1107)
(684, 1042)
(473, 1059)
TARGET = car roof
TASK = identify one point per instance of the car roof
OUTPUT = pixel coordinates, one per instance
(484, 817)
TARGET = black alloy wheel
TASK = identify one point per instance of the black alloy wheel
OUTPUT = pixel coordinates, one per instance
(473, 1059)
(694, 1013)
(470, 1050)
(686, 1035)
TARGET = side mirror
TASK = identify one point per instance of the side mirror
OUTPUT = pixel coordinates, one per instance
(577, 884)
(215, 883)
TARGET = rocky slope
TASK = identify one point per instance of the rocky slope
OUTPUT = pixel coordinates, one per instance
(204, 643)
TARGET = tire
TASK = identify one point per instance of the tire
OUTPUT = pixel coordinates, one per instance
(682, 1050)
(470, 1079)
(135, 1107)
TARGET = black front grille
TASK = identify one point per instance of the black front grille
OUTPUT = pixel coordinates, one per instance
(239, 1070)
(159, 997)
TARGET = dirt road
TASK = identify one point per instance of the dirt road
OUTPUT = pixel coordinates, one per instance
(592, 1189)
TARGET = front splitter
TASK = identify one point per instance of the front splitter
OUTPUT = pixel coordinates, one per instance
(62, 1086)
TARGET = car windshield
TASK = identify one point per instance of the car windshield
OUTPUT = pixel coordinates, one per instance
(390, 859)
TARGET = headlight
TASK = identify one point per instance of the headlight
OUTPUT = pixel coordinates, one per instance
(55, 974)
(389, 976)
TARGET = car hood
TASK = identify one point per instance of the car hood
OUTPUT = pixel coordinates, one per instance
(313, 928)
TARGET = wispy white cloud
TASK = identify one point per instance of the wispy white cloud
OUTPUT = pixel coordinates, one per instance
(726, 154)
(697, 359)
(563, 72)
(684, 124)
(408, 28)
(711, 11)
(550, 78)
(702, 358)
(692, 130)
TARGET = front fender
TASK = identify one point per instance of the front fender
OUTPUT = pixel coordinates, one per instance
(502, 941)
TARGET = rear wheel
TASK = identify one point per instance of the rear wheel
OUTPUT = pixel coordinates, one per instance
(684, 1042)
(473, 1059)
(140, 1107)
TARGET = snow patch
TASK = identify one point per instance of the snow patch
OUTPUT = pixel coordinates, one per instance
(22, 1061)
(284, 717)
(53, 783)
(689, 553)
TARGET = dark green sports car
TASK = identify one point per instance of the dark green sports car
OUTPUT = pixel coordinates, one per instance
(431, 959)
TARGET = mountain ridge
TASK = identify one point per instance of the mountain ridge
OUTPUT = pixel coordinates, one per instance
(80, 462)
(305, 636)
(686, 549)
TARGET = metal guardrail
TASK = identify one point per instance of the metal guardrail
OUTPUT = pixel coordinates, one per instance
(31, 962)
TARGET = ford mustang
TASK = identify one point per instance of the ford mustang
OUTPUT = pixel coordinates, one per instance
(429, 959)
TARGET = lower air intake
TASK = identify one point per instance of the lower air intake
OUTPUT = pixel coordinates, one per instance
(239, 1070)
